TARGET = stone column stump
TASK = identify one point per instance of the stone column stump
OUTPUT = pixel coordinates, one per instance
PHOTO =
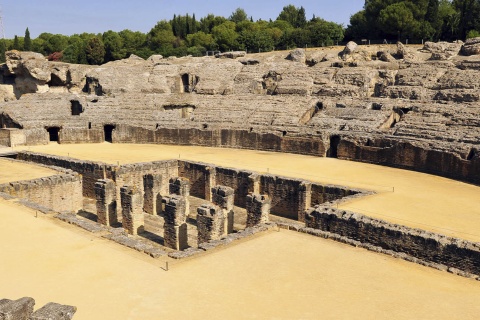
(132, 210)
(224, 198)
(106, 194)
(181, 187)
(175, 227)
(210, 223)
(258, 209)
(152, 184)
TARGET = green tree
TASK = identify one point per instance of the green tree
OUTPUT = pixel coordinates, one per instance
(209, 22)
(161, 38)
(16, 43)
(3, 49)
(27, 42)
(95, 51)
(55, 43)
(225, 35)
(396, 19)
(113, 46)
(294, 16)
(469, 11)
(75, 52)
(133, 42)
(238, 15)
(201, 39)
(358, 28)
(256, 40)
(324, 33)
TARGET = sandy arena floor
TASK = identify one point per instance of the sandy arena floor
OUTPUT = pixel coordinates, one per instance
(15, 171)
(419, 200)
(278, 275)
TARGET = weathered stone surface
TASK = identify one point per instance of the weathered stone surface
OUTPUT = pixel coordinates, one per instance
(20, 309)
(471, 47)
(210, 223)
(258, 209)
(443, 50)
(231, 55)
(54, 311)
(132, 210)
(297, 55)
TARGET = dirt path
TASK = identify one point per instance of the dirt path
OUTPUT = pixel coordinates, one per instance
(419, 200)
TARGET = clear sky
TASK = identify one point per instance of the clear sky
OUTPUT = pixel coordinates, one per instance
(98, 16)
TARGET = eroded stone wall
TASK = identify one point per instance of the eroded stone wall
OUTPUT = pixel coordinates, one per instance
(61, 192)
(427, 246)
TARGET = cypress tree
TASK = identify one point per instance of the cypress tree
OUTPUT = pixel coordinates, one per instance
(16, 43)
(27, 42)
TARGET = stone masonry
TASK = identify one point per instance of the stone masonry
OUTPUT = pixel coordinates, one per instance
(224, 198)
(210, 223)
(22, 309)
(132, 213)
(258, 209)
(152, 184)
(105, 192)
(181, 186)
(175, 227)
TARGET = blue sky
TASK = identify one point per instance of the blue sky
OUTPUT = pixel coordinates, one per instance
(69, 17)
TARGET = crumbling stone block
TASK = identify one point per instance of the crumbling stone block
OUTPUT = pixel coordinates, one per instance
(258, 209)
(175, 227)
(152, 184)
(181, 186)
(105, 192)
(210, 223)
(54, 311)
(224, 198)
(132, 210)
(20, 309)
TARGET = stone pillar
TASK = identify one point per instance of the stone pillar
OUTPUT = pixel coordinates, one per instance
(258, 209)
(175, 227)
(132, 212)
(152, 184)
(304, 199)
(181, 187)
(254, 183)
(224, 198)
(210, 182)
(106, 194)
(210, 223)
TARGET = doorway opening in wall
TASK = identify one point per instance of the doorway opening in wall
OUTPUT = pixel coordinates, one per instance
(333, 151)
(108, 131)
(53, 133)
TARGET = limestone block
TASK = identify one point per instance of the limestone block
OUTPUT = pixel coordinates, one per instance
(54, 311)
(20, 309)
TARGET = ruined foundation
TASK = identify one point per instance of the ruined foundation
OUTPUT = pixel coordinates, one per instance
(175, 227)
(258, 209)
(132, 212)
(105, 191)
(210, 223)
(223, 197)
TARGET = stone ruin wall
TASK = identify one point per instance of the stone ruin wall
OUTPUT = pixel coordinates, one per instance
(395, 105)
(60, 192)
(423, 245)
(90, 171)
(287, 197)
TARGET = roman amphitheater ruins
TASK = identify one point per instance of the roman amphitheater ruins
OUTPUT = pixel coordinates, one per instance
(332, 182)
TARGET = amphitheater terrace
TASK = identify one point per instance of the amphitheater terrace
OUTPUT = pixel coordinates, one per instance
(169, 178)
